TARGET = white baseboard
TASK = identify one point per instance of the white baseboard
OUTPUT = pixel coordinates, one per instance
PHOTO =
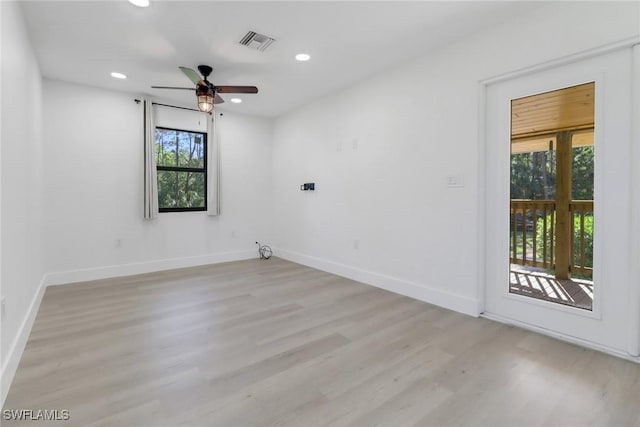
(10, 365)
(462, 304)
(85, 275)
(17, 347)
(562, 337)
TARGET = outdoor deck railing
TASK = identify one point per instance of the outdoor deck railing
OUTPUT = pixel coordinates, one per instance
(533, 234)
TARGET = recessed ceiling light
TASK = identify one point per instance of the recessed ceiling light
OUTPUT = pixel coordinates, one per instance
(303, 57)
(118, 75)
(140, 3)
(236, 100)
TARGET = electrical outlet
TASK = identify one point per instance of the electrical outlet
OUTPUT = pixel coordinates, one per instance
(3, 309)
(118, 242)
(356, 244)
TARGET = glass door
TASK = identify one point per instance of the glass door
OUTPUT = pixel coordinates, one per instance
(551, 217)
(548, 265)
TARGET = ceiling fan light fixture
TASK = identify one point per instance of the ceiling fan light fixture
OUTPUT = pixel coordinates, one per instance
(205, 98)
(302, 57)
(140, 3)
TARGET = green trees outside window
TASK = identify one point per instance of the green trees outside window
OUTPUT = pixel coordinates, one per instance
(182, 170)
(533, 175)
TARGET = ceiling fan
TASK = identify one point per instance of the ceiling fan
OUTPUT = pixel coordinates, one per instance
(207, 92)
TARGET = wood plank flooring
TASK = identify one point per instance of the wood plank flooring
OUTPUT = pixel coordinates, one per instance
(273, 343)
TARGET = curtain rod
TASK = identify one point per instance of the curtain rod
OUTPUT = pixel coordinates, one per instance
(173, 106)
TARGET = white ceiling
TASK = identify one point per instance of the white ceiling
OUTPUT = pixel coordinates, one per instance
(83, 42)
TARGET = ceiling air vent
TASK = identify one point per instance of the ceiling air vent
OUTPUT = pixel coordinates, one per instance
(257, 41)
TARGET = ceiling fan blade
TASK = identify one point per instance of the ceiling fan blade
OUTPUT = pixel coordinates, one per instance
(217, 99)
(171, 87)
(193, 76)
(236, 89)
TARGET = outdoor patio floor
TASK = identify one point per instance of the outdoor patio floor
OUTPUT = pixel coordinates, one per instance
(537, 283)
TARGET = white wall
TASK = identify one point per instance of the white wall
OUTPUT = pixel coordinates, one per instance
(380, 153)
(93, 191)
(22, 189)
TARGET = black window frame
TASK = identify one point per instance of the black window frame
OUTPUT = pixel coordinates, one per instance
(186, 169)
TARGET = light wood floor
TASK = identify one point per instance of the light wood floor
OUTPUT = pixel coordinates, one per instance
(272, 343)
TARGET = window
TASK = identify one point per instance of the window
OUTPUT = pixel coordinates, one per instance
(181, 158)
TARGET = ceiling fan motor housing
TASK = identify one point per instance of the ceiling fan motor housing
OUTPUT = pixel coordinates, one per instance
(205, 70)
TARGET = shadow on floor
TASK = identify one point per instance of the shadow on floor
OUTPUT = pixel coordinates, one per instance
(541, 285)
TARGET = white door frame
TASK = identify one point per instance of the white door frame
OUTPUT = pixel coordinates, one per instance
(633, 296)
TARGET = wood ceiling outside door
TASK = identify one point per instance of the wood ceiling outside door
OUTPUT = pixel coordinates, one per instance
(536, 119)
